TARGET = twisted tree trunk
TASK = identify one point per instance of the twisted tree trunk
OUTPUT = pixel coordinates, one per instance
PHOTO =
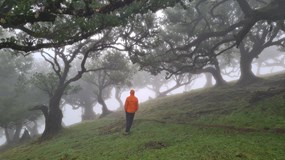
(118, 93)
(88, 113)
(247, 76)
(105, 110)
(54, 116)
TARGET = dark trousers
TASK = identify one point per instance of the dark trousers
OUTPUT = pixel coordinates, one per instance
(129, 120)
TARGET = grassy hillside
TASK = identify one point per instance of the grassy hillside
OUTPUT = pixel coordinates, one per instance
(231, 122)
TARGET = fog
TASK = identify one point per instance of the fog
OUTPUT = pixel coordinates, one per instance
(74, 116)
(71, 116)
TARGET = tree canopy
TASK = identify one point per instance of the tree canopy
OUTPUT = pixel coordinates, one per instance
(42, 23)
(33, 25)
(191, 37)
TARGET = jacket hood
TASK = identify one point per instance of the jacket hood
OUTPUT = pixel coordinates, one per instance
(132, 92)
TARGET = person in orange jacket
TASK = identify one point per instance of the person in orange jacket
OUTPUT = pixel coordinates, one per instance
(131, 106)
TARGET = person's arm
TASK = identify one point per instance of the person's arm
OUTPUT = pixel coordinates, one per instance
(126, 104)
(137, 104)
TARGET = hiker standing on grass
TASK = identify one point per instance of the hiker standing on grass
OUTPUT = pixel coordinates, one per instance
(131, 106)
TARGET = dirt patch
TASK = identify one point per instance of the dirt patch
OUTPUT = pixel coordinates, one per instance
(210, 111)
(261, 95)
(188, 117)
(279, 130)
(233, 128)
(112, 128)
(155, 145)
(244, 130)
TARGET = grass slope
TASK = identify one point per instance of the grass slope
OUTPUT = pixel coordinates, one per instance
(227, 123)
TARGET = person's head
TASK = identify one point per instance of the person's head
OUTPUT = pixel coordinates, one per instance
(132, 92)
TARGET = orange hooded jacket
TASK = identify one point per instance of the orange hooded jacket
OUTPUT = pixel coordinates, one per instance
(132, 103)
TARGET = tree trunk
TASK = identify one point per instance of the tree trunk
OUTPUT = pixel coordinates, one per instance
(156, 91)
(216, 74)
(118, 94)
(105, 110)
(54, 117)
(161, 94)
(259, 64)
(218, 77)
(26, 136)
(33, 130)
(45, 111)
(16, 136)
(8, 135)
(164, 93)
(247, 76)
(53, 122)
(88, 113)
(13, 134)
(209, 80)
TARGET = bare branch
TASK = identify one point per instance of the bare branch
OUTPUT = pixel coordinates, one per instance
(245, 7)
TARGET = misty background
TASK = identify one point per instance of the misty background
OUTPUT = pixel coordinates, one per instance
(73, 116)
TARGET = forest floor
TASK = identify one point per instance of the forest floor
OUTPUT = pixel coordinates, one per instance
(220, 123)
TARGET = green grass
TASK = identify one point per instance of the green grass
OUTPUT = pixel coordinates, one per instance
(266, 114)
(207, 124)
(154, 140)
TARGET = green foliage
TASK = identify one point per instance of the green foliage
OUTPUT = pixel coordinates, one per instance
(17, 94)
(121, 69)
(45, 82)
(23, 7)
(117, 71)
(48, 83)
(43, 24)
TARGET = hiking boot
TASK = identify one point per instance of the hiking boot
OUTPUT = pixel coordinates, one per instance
(126, 133)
